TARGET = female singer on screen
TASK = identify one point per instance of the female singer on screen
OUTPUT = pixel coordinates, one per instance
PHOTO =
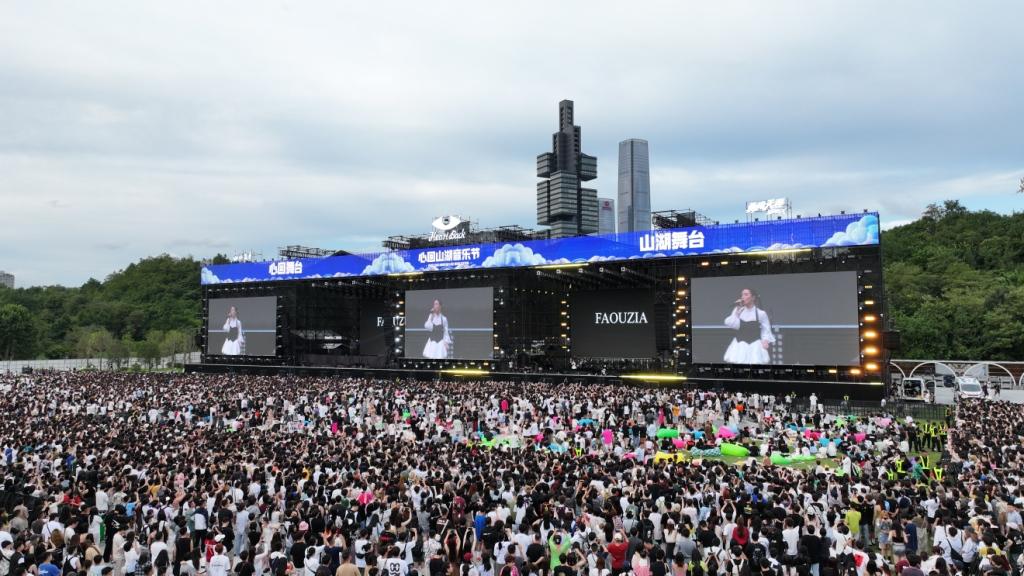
(439, 339)
(235, 337)
(750, 345)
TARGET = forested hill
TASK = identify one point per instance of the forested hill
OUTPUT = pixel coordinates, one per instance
(955, 284)
(150, 308)
(954, 280)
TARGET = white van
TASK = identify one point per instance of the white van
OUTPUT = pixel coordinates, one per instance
(968, 387)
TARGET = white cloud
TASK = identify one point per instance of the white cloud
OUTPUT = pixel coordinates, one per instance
(209, 277)
(388, 263)
(514, 255)
(863, 231)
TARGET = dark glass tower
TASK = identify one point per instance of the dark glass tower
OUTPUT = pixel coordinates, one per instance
(563, 203)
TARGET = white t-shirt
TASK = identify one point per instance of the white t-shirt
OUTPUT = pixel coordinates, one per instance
(360, 555)
(199, 521)
(791, 536)
(131, 560)
(155, 548)
(102, 501)
(395, 567)
(219, 565)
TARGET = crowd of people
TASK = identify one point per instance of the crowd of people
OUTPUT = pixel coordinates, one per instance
(133, 474)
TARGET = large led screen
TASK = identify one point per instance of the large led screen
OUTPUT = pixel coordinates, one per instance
(782, 319)
(377, 332)
(612, 324)
(454, 324)
(242, 326)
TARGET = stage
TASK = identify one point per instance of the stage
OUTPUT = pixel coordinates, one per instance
(776, 306)
(823, 389)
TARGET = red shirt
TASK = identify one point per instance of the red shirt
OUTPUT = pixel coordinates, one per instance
(618, 553)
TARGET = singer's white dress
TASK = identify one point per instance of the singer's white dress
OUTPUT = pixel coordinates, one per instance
(233, 347)
(437, 349)
(740, 352)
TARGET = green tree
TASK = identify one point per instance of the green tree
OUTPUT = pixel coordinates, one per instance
(147, 351)
(953, 281)
(94, 342)
(120, 351)
(175, 342)
(17, 332)
(159, 293)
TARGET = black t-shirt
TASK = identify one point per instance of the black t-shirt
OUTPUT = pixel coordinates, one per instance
(534, 552)
(182, 547)
(438, 566)
(867, 513)
(18, 564)
(813, 545)
(245, 569)
(706, 538)
(491, 535)
(564, 570)
(658, 568)
(299, 554)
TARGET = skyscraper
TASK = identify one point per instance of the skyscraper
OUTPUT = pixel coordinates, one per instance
(634, 186)
(6, 279)
(606, 216)
(563, 203)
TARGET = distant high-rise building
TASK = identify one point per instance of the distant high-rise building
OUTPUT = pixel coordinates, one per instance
(606, 216)
(634, 186)
(563, 203)
(6, 279)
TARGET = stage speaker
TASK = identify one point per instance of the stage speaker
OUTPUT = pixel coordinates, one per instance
(891, 340)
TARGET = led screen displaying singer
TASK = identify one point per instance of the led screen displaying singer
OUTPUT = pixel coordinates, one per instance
(235, 336)
(242, 326)
(439, 338)
(753, 338)
(449, 324)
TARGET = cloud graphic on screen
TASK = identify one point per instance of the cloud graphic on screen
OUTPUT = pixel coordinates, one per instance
(208, 277)
(602, 258)
(515, 255)
(388, 263)
(454, 266)
(863, 231)
(774, 247)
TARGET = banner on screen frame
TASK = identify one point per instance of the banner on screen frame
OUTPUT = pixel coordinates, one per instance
(776, 235)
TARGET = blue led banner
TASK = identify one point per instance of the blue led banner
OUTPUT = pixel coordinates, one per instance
(775, 235)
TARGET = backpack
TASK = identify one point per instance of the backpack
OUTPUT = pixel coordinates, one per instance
(646, 529)
(846, 565)
(67, 568)
(17, 559)
(279, 566)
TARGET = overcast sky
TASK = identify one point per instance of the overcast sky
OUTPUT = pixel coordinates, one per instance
(131, 128)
